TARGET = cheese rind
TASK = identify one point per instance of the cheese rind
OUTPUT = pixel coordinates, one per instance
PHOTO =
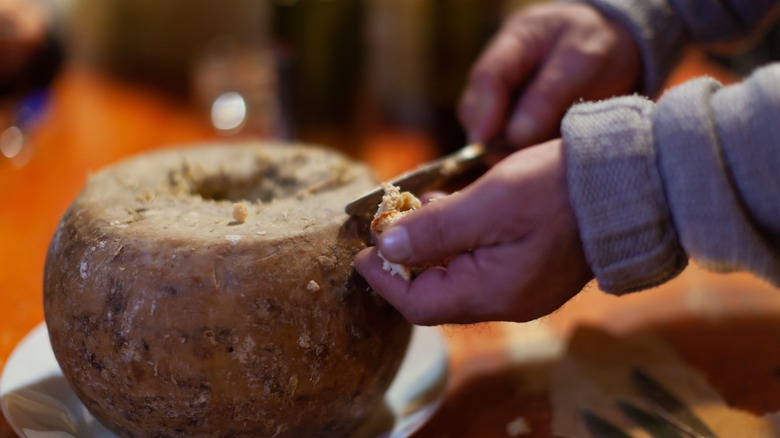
(169, 317)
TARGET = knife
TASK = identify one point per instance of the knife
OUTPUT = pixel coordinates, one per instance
(429, 176)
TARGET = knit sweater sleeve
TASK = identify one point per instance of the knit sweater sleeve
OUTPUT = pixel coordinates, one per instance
(663, 28)
(696, 175)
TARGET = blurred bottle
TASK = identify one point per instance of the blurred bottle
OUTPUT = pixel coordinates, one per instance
(321, 49)
(351, 68)
(420, 53)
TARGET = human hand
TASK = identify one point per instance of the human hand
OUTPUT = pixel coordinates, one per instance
(543, 59)
(517, 253)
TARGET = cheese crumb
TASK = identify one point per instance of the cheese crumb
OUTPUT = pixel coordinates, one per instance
(146, 196)
(395, 268)
(240, 212)
(233, 238)
(395, 204)
(313, 286)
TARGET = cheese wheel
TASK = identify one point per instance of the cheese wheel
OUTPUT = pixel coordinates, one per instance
(209, 291)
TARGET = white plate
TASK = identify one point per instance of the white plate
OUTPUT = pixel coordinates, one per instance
(38, 402)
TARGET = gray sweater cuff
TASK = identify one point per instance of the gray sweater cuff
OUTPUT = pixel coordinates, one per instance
(617, 195)
(658, 32)
(718, 158)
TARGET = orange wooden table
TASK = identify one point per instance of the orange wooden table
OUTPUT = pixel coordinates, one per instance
(726, 327)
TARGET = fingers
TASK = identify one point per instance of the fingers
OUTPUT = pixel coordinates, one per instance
(499, 207)
(543, 60)
(474, 287)
(421, 309)
(439, 296)
(516, 254)
(592, 59)
(427, 197)
(448, 226)
(490, 211)
(483, 107)
(503, 67)
(537, 114)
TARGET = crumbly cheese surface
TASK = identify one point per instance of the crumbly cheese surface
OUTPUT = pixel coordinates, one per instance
(395, 201)
(395, 205)
(258, 192)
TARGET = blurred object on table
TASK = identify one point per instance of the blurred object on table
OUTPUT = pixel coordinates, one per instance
(199, 50)
(321, 52)
(31, 54)
(30, 44)
(238, 88)
(356, 74)
(18, 117)
(329, 72)
(596, 369)
(419, 57)
(161, 41)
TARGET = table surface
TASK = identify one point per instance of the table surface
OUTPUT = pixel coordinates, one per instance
(723, 326)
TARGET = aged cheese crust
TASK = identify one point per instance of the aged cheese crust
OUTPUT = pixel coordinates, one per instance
(170, 316)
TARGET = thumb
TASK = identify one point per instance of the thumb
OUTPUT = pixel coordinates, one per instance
(440, 229)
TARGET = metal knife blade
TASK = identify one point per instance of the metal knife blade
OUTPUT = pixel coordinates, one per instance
(669, 406)
(599, 427)
(428, 176)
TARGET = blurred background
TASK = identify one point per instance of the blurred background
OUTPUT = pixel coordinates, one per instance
(348, 74)
(325, 71)
(369, 77)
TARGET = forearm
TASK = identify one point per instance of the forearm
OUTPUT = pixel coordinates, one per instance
(719, 158)
(693, 176)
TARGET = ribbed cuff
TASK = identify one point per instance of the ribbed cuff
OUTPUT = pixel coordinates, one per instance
(617, 195)
(718, 154)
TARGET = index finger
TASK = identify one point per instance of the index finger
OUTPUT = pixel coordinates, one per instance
(505, 65)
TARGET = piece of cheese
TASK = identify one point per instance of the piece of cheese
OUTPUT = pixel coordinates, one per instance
(395, 205)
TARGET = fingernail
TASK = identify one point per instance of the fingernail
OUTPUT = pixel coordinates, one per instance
(522, 128)
(481, 105)
(478, 106)
(395, 244)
